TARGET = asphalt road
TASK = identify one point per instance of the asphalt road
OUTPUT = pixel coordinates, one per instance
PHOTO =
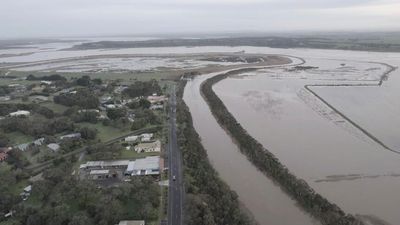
(176, 189)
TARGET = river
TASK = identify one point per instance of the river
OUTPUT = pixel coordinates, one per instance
(264, 199)
(315, 143)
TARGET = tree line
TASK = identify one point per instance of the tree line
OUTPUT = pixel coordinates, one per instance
(318, 206)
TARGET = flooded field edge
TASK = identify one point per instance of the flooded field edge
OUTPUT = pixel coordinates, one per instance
(379, 83)
(266, 162)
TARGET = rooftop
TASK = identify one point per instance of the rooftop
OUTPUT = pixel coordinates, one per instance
(132, 222)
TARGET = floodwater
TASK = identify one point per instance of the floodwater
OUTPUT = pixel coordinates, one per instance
(264, 199)
(315, 143)
(318, 145)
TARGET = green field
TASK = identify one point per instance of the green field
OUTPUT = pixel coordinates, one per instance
(105, 133)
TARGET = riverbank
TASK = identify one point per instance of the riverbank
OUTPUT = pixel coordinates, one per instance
(208, 199)
(266, 162)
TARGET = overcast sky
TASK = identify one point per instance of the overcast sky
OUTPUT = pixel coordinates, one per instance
(46, 18)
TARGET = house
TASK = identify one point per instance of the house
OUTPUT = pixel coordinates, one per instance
(74, 135)
(23, 147)
(156, 99)
(144, 167)
(132, 138)
(54, 147)
(26, 193)
(38, 142)
(146, 137)
(45, 82)
(28, 189)
(94, 165)
(5, 98)
(105, 99)
(148, 147)
(88, 110)
(110, 106)
(132, 222)
(120, 89)
(156, 107)
(19, 113)
(39, 98)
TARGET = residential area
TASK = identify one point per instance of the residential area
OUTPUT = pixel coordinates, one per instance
(104, 138)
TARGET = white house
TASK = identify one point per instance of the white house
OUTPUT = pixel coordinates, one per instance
(46, 82)
(146, 137)
(20, 113)
(74, 135)
(131, 138)
(132, 222)
(54, 147)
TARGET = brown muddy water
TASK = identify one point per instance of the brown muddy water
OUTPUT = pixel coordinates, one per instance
(264, 199)
(314, 142)
(317, 144)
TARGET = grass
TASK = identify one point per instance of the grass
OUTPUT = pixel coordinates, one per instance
(19, 187)
(105, 133)
(57, 108)
(19, 138)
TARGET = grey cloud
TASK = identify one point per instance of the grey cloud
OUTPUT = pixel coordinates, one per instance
(23, 18)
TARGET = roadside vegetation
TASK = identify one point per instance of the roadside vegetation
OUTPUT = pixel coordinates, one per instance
(265, 161)
(51, 124)
(208, 200)
(59, 198)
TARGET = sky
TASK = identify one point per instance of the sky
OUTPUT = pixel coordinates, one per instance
(55, 18)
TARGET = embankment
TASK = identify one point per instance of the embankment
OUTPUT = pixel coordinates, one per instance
(265, 161)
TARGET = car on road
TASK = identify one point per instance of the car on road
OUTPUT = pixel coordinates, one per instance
(174, 178)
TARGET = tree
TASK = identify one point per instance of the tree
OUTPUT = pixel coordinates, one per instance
(143, 88)
(88, 133)
(116, 113)
(83, 81)
(84, 98)
(4, 141)
(144, 103)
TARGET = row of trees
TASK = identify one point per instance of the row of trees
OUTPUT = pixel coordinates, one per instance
(83, 98)
(143, 88)
(266, 162)
(209, 201)
(37, 128)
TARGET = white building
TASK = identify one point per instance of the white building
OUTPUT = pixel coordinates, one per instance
(156, 107)
(132, 222)
(20, 113)
(54, 147)
(132, 138)
(38, 142)
(145, 166)
(146, 137)
(74, 135)
(148, 147)
(156, 99)
(46, 82)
